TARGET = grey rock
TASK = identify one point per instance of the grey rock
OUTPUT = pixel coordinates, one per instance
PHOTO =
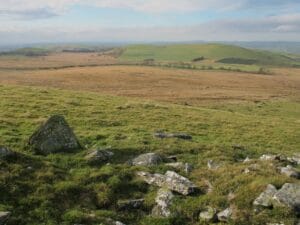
(130, 204)
(171, 158)
(186, 167)
(54, 136)
(170, 180)
(295, 159)
(269, 157)
(275, 223)
(173, 135)
(6, 152)
(4, 216)
(265, 199)
(225, 215)
(209, 215)
(148, 159)
(289, 195)
(212, 165)
(99, 156)
(290, 172)
(247, 160)
(163, 200)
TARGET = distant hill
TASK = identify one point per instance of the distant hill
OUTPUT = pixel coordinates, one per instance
(217, 52)
(27, 52)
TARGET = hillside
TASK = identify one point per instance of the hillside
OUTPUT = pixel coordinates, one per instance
(216, 52)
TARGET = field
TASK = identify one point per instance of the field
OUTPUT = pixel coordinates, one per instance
(121, 106)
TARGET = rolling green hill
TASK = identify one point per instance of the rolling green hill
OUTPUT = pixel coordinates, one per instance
(216, 52)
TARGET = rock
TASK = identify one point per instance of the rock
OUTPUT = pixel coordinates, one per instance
(130, 204)
(163, 200)
(148, 159)
(186, 167)
(109, 221)
(172, 158)
(265, 199)
(289, 195)
(4, 217)
(290, 172)
(225, 215)
(252, 168)
(295, 159)
(99, 156)
(275, 223)
(170, 180)
(269, 157)
(6, 152)
(54, 136)
(247, 160)
(212, 165)
(173, 135)
(209, 215)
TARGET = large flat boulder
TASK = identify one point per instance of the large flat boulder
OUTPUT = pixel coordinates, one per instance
(54, 136)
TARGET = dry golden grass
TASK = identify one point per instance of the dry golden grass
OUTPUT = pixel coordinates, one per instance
(175, 85)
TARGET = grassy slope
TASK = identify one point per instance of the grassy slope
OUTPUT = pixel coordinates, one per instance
(185, 52)
(63, 189)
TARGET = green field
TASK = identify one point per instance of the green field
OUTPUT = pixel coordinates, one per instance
(189, 52)
(64, 189)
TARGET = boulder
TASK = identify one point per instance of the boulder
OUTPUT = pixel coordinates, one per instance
(130, 204)
(54, 136)
(163, 200)
(186, 167)
(265, 199)
(148, 159)
(6, 152)
(99, 156)
(225, 215)
(4, 217)
(290, 172)
(289, 195)
(170, 180)
(208, 215)
(173, 135)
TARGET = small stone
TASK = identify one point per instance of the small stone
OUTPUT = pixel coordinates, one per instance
(209, 214)
(247, 160)
(268, 157)
(148, 159)
(295, 159)
(4, 216)
(212, 165)
(225, 215)
(99, 156)
(130, 204)
(290, 172)
(265, 199)
(172, 158)
(163, 200)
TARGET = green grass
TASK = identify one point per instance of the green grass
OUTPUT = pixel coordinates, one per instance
(188, 52)
(64, 189)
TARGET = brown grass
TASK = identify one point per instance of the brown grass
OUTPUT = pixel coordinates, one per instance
(179, 86)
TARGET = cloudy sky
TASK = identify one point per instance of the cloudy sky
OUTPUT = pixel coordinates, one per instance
(32, 21)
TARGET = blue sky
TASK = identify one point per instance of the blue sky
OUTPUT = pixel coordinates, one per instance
(30, 21)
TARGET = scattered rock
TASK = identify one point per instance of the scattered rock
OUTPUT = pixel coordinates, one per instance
(265, 199)
(54, 136)
(247, 160)
(99, 156)
(6, 152)
(225, 215)
(269, 157)
(186, 167)
(170, 180)
(173, 135)
(209, 215)
(289, 195)
(290, 172)
(212, 165)
(130, 204)
(4, 217)
(295, 159)
(163, 200)
(148, 159)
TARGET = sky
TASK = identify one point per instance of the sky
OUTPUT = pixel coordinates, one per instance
(51, 21)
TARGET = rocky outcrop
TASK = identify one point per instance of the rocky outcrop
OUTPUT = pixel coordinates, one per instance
(171, 180)
(225, 215)
(265, 199)
(148, 159)
(208, 215)
(290, 172)
(173, 135)
(4, 216)
(6, 152)
(130, 204)
(54, 136)
(99, 156)
(289, 195)
(163, 203)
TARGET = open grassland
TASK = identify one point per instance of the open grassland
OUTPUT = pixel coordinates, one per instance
(64, 189)
(187, 53)
(173, 85)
